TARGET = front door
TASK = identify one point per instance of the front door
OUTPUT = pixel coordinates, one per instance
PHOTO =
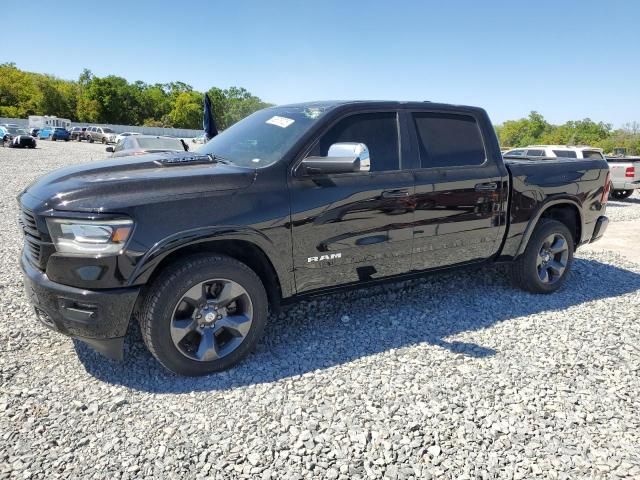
(354, 227)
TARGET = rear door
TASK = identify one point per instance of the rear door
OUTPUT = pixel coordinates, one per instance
(357, 226)
(461, 190)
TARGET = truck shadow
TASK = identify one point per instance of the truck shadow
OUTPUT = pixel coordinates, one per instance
(340, 328)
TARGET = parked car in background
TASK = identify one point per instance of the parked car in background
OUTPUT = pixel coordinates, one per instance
(19, 138)
(142, 144)
(290, 202)
(4, 135)
(54, 133)
(625, 176)
(78, 133)
(122, 135)
(34, 132)
(556, 151)
(100, 134)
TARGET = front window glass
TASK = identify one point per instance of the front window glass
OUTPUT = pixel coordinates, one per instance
(378, 131)
(265, 136)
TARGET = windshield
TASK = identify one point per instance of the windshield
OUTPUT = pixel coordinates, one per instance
(160, 143)
(264, 137)
(107, 130)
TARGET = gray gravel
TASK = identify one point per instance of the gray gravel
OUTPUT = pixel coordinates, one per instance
(454, 376)
(628, 209)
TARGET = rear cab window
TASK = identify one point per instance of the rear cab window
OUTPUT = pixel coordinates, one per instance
(448, 140)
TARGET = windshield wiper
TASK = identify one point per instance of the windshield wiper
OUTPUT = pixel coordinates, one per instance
(219, 159)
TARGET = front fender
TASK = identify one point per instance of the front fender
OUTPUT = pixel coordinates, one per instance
(177, 241)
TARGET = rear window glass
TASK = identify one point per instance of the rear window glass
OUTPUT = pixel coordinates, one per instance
(592, 154)
(448, 140)
(565, 154)
(160, 144)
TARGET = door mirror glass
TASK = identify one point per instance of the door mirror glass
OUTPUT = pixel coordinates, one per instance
(342, 157)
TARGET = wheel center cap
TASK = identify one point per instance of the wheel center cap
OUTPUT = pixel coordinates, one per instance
(210, 317)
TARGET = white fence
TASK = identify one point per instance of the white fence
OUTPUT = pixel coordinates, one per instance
(172, 132)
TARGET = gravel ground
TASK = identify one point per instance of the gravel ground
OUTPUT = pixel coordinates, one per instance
(412, 380)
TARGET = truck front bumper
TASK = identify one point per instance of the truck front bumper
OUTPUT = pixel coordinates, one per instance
(601, 226)
(98, 318)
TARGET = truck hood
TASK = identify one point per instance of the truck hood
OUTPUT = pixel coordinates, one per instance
(119, 183)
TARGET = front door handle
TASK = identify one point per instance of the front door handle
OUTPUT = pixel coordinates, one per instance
(395, 193)
(486, 187)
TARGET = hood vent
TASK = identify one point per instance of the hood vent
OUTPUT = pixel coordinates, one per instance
(188, 159)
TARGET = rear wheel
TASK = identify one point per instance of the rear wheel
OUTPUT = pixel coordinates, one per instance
(203, 314)
(621, 194)
(547, 260)
(104, 140)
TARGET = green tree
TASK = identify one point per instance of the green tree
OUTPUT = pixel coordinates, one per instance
(187, 110)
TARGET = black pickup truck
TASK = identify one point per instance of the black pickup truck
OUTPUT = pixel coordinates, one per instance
(292, 201)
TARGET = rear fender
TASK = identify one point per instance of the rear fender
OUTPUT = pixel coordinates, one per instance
(540, 212)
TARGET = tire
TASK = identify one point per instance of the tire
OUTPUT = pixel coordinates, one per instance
(53, 139)
(66, 139)
(165, 297)
(528, 272)
(621, 194)
(90, 139)
(103, 140)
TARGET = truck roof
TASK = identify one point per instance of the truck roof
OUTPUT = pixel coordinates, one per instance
(381, 103)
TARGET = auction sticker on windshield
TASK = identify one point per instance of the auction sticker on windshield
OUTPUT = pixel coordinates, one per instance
(282, 122)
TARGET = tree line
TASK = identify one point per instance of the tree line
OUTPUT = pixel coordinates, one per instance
(535, 130)
(115, 100)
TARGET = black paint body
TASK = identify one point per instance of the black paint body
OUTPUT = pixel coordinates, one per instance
(444, 217)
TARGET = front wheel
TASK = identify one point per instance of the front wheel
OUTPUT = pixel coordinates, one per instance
(53, 139)
(203, 314)
(547, 260)
(621, 194)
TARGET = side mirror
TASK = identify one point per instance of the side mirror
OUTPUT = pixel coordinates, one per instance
(341, 158)
(109, 149)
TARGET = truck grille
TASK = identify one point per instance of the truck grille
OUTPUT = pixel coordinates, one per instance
(33, 244)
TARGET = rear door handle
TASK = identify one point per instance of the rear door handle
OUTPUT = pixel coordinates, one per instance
(395, 193)
(486, 187)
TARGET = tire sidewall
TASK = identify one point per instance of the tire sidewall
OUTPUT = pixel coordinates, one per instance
(169, 293)
(533, 248)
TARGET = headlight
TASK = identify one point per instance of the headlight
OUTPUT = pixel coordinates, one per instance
(105, 237)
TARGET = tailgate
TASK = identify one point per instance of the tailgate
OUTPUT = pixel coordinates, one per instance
(619, 171)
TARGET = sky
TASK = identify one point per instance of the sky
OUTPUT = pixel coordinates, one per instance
(567, 60)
